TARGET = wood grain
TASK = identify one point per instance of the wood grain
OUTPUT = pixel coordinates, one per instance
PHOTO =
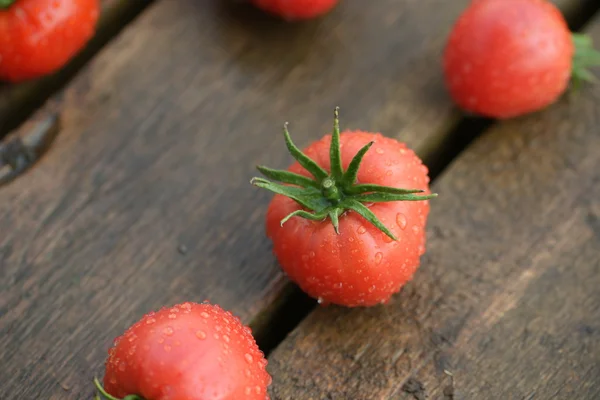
(159, 138)
(506, 300)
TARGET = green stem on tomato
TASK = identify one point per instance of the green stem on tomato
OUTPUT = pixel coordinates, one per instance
(330, 194)
(110, 397)
(585, 57)
(4, 4)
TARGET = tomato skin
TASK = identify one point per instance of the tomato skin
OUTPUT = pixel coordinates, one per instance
(361, 266)
(506, 58)
(187, 352)
(296, 9)
(38, 37)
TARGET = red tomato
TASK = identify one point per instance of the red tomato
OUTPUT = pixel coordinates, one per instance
(38, 37)
(506, 58)
(361, 265)
(296, 9)
(187, 352)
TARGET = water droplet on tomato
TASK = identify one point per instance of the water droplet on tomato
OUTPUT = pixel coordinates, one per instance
(372, 289)
(248, 391)
(257, 389)
(389, 172)
(161, 340)
(150, 321)
(351, 239)
(167, 348)
(361, 230)
(378, 258)
(172, 316)
(320, 300)
(216, 336)
(401, 221)
(416, 229)
(226, 338)
(122, 366)
(201, 335)
(248, 358)
(168, 331)
(338, 285)
(248, 373)
(204, 314)
(311, 254)
(379, 150)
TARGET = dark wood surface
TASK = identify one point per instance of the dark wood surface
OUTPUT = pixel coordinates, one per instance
(506, 304)
(158, 138)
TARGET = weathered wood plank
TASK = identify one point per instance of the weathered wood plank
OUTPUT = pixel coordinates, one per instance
(17, 101)
(507, 297)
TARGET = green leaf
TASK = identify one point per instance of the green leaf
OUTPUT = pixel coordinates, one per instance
(385, 197)
(334, 149)
(303, 214)
(4, 4)
(352, 171)
(312, 167)
(369, 187)
(581, 40)
(585, 56)
(109, 397)
(334, 215)
(287, 177)
(367, 214)
(306, 197)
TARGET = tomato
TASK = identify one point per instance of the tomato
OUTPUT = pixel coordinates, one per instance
(186, 352)
(506, 58)
(349, 235)
(296, 9)
(38, 37)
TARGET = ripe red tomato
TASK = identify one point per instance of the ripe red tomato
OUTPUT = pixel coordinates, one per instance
(296, 9)
(506, 58)
(378, 242)
(38, 37)
(187, 352)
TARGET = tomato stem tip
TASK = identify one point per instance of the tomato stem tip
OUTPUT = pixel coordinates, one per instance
(107, 396)
(585, 57)
(330, 194)
(4, 4)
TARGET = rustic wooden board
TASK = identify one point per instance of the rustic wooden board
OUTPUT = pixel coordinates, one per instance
(506, 300)
(17, 101)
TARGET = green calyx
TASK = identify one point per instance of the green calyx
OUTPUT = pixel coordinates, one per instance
(585, 57)
(331, 194)
(109, 397)
(4, 4)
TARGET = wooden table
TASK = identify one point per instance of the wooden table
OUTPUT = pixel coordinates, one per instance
(142, 200)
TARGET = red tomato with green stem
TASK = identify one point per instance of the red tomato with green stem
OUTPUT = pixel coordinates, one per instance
(506, 58)
(348, 218)
(38, 37)
(186, 352)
